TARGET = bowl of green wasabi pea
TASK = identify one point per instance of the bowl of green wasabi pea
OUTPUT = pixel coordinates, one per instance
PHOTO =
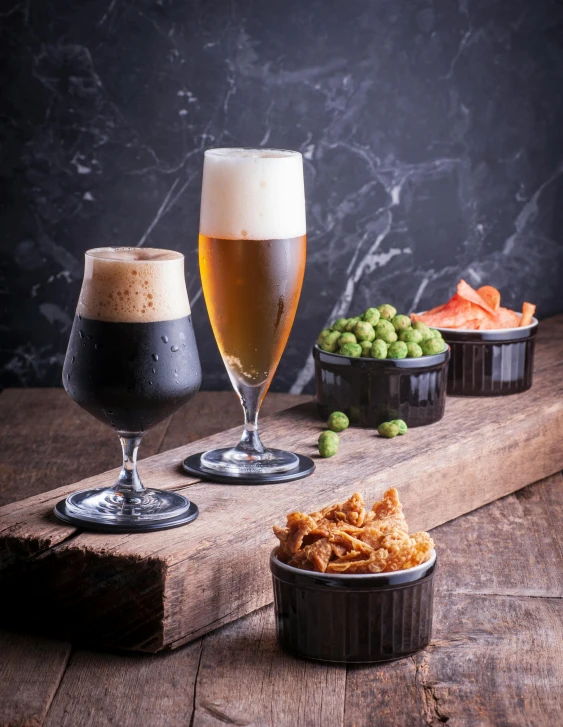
(380, 365)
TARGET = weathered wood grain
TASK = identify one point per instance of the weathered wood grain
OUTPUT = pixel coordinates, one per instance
(244, 679)
(64, 444)
(496, 656)
(30, 671)
(126, 690)
(525, 563)
(31, 667)
(191, 580)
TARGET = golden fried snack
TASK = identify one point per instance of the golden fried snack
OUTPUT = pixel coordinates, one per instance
(344, 538)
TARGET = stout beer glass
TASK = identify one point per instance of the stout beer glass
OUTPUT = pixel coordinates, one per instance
(131, 362)
(252, 249)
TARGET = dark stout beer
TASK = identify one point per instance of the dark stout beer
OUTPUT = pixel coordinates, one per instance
(131, 375)
(132, 357)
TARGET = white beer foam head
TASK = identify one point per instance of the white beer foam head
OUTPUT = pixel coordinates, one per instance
(252, 194)
(133, 285)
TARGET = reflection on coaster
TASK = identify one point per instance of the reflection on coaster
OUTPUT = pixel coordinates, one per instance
(192, 465)
(61, 512)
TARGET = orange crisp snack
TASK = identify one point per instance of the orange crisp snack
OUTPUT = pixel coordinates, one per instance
(345, 538)
(476, 310)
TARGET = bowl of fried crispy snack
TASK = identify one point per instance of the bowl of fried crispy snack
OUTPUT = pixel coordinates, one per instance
(352, 585)
(492, 347)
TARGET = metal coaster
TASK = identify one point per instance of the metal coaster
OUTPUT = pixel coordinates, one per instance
(192, 465)
(142, 527)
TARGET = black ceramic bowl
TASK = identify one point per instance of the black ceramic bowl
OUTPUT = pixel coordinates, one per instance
(371, 391)
(490, 363)
(353, 618)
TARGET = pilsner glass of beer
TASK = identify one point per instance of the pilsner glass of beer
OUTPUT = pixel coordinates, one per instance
(252, 250)
(131, 362)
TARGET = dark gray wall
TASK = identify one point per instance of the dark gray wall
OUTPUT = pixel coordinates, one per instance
(432, 134)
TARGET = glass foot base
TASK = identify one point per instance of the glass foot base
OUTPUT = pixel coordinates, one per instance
(234, 461)
(111, 510)
(192, 466)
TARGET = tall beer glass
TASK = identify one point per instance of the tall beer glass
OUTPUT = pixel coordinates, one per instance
(131, 362)
(252, 249)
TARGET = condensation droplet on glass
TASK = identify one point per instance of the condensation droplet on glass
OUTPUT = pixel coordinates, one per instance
(155, 356)
(173, 349)
(164, 339)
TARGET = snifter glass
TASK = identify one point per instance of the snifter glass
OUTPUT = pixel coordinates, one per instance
(252, 250)
(131, 362)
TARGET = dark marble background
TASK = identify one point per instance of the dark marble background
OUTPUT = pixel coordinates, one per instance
(432, 134)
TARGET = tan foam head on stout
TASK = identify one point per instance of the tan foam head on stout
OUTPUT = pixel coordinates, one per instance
(133, 285)
(252, 194)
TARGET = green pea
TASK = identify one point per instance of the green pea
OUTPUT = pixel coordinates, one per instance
(338, 421)
(340, 324)
(379, 349)
(398, 349)
(388, 430)
(414, 350)
(400, 424)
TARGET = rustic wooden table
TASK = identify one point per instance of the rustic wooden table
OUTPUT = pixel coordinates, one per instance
(496, 657)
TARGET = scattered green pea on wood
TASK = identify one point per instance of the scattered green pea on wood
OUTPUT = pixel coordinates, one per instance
(388, 430)
(338, 421)
(401, 425)
(328, 443)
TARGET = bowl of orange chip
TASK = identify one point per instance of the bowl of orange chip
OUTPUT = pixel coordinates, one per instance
(491, 347)
(352, 585)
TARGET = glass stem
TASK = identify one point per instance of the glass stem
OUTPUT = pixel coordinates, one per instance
(129, 480)
(251, 400)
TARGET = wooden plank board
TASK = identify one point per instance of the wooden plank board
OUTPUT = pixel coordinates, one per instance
(392, 695)
(46, 440)
(189, 581)
(30, 671)
(472, 674)
(31, 668)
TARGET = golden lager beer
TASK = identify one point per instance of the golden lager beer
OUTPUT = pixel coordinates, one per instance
(252, 250)
(252, 289)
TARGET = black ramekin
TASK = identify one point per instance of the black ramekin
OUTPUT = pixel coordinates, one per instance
(371, 391)
(490, 363)
(353, 618)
